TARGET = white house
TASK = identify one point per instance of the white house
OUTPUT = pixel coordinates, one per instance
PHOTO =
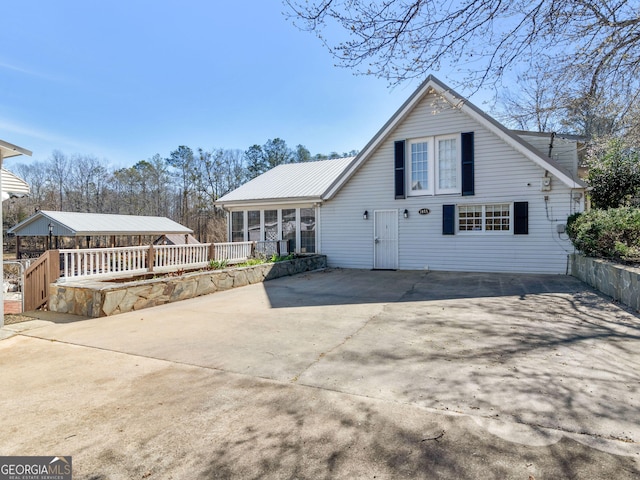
(442, 186)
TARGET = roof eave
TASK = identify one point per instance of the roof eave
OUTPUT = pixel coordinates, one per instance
(512, 139)
(379, 137)
(8, 150)
(456, 101)
(268, 201)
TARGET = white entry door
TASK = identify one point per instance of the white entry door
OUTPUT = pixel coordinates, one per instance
(385, 239)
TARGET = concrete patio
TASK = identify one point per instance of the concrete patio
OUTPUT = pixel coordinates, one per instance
(337, 374)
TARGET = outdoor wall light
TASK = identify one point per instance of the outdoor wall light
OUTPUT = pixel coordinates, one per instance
(365, 215)
(406, 213)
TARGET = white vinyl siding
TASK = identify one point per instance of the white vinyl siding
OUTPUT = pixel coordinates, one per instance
(502, 176)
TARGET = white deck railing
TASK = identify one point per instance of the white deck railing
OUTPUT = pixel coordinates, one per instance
(121, 261)
(167, 257)
(232, 252)
(97, 262)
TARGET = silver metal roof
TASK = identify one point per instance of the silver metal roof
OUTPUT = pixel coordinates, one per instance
(71, 224)
(290, 182)
(13, 185)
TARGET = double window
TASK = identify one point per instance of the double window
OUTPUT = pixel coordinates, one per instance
(484, 218)
(490, 217)
(434, 165)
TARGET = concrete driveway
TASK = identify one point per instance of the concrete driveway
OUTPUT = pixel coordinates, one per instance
(337, 374)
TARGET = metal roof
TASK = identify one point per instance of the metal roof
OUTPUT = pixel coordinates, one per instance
(307, 181)
(12, 185)
(71, 224)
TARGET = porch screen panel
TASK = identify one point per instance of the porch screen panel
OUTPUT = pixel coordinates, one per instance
(289, 227)
(270, 225)
(253, 219)
(307, 230)
(237, 226)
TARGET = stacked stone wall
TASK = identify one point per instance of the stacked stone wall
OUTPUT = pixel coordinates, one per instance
(621, 282)
(93, 298)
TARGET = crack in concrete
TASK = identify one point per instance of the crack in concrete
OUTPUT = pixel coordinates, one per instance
(511, 420)
(335, 347)
(385, 306)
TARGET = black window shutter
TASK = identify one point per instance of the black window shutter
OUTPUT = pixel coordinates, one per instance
(399, 169)
(521, 215)
(448, 219)
(466, 150)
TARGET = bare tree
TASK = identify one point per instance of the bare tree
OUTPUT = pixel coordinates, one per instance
(59, 172)
(534, 106)
(182, 161)
(592, 41)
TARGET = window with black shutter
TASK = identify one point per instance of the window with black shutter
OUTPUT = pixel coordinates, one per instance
(521, 218)
(448, 219)
(467, 154)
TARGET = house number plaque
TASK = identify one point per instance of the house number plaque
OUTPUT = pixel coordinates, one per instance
(424, 211)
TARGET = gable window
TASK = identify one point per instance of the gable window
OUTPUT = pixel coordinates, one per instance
(484, 218)
(448, 162)
(420, 166)
(434, 166)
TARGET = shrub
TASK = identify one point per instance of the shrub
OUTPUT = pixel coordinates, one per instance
(276, 258)
(614, 173)
(613, 234)
(218, 264)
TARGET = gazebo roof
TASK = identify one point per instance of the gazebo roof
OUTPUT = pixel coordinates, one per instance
(72, 224)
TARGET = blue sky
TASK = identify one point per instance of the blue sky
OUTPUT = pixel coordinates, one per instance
(125, 80)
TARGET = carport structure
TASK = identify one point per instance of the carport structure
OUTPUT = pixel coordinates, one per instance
(97, 229)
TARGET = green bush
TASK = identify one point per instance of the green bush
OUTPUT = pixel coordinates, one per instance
(613, 234)
(218, 264)
(614, 173)
(276, 258)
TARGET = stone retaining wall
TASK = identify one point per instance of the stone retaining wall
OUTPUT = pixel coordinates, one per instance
(618, 281)
(94, 298)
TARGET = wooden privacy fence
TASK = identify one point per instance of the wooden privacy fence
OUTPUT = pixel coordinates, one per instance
(121, 261)
(37, 278)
